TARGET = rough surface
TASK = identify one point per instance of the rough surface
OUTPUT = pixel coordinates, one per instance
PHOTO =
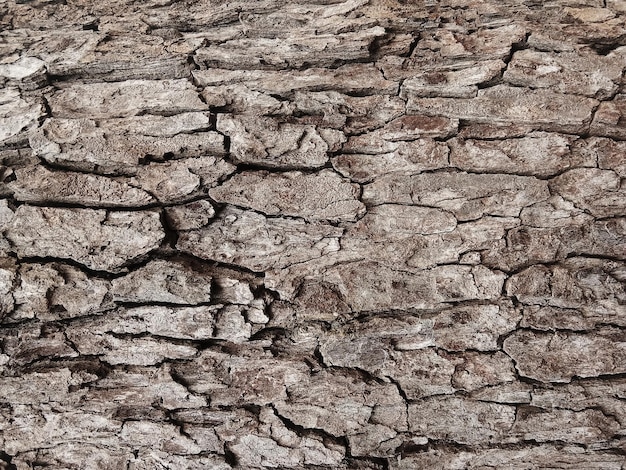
(323, 234)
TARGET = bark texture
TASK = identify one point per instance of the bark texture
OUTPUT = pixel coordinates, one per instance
(313, 234)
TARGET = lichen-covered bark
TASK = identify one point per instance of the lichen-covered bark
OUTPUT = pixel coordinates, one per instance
(317, 234)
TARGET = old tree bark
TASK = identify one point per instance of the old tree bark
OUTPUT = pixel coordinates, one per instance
(317, 234)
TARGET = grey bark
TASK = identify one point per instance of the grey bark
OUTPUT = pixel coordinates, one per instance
(324, 234)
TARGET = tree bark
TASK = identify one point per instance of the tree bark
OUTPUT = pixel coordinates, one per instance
(317, 234)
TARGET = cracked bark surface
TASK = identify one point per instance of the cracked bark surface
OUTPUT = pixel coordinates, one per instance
(323, 234)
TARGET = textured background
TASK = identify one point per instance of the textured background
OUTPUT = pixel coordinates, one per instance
(315, 234)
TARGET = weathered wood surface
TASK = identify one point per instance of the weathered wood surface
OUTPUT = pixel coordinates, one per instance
(314, 234)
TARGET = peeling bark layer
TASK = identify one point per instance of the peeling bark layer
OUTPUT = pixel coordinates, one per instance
(324, 234)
